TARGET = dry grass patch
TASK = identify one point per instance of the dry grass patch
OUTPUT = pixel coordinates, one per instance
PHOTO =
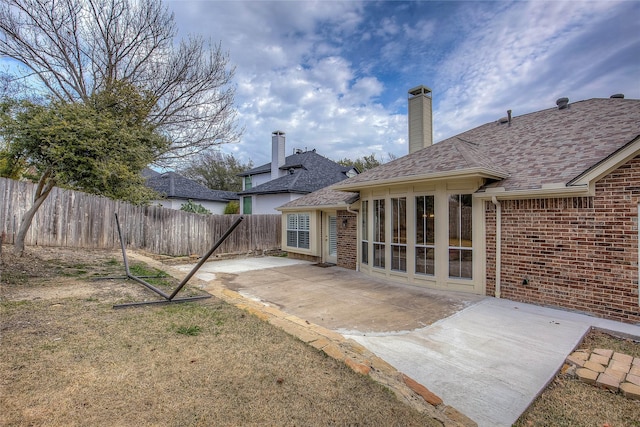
(73, 360)
(568, 401)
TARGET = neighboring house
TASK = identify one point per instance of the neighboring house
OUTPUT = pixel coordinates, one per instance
(266, 187)
(178, 190)
(540, 208)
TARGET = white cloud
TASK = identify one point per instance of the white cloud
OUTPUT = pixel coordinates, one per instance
(522, 59)
(334, 76)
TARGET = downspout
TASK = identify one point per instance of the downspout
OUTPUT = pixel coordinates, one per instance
(495, 201)
(357, 243)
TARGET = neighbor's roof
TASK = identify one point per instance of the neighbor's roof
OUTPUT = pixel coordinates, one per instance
(326, 197)
(546, 147)
(172, 185)
(306, 172)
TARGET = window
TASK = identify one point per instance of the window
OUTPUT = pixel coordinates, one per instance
(298, 230)
(247, 183)
(365, 231)
(378, 234)
(460, 232)
(399, 234)
(246, 205)
(425, 235)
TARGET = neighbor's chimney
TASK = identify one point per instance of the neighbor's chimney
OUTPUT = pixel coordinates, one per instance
(277, 154)
(420, 122)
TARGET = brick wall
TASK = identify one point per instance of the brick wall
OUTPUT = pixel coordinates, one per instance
(347, 235)
(579, 253)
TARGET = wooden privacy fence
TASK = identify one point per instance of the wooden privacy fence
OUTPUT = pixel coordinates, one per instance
(80, 220)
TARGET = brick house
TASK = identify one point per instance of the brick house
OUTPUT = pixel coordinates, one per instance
(540, 208)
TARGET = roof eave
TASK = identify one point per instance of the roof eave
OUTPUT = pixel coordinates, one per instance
(314, 207)
(609, 163)
(546, 191)
(438, 176)
(258, 193)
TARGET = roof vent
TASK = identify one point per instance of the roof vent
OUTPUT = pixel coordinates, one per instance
(617, 96)
(562, 103)
(503, 120)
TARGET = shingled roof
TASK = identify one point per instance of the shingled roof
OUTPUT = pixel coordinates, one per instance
(306, 172)
(552, 146)
(326, 197)
(172, 185)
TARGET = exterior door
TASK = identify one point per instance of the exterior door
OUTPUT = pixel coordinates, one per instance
(331, 240)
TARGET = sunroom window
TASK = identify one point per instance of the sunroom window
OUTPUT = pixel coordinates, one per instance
(365, 231)
(425, 235)
(460, 236)
(399, 234)
(378, 233)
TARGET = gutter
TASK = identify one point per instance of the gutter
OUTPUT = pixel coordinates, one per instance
(495, 201)
(481, 172)
(546, 191)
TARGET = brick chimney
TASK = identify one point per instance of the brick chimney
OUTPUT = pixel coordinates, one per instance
(277, 154)
(420, 121)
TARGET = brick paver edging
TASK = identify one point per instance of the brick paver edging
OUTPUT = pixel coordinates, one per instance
(354, 355)
(606, 369)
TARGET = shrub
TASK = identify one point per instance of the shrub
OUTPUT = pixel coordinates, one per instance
(233, 207)
(194, 208)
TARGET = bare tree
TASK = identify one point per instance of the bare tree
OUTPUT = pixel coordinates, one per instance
(72, 49)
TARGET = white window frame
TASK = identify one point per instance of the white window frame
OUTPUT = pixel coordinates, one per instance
(364, 258)
(398, 242)
(298, 230)
(460, 248)
(379, 231)
(423, 244)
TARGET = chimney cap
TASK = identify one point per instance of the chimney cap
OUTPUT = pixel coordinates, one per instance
(277, 132)
(420, 90)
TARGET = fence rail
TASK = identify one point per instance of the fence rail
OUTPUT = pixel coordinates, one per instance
(74, 219)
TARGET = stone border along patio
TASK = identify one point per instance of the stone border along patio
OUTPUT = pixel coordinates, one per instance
(334, 345)
(606, 369)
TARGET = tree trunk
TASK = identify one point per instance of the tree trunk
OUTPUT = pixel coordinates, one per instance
(45, 185)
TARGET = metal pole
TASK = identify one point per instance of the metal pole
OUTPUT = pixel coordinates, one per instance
(206, 256)
(126, 265)
(150, 286)
(124, 252)
(162, 302)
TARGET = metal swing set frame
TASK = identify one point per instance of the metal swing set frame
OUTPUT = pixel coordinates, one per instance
(168, 298)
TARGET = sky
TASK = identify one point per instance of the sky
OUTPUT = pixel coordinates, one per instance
(335, 75)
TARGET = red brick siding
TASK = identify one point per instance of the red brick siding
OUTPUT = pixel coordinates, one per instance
(347, 235)
(578, 253)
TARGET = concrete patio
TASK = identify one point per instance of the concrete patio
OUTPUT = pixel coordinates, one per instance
(488, 358)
